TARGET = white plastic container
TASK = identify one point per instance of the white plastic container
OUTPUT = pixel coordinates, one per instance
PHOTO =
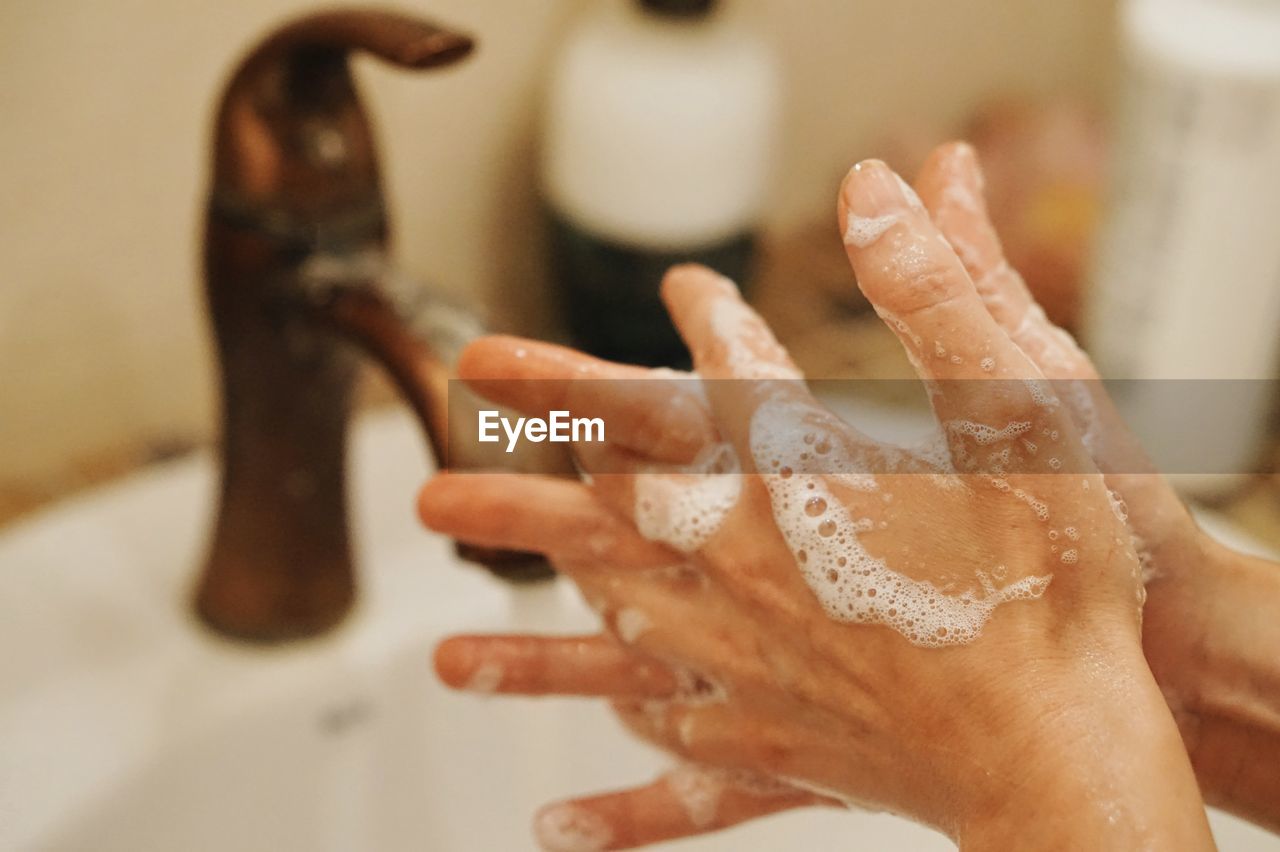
(658, 141)
(1187, 277)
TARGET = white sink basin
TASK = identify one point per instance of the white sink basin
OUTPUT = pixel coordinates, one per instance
(124, 725)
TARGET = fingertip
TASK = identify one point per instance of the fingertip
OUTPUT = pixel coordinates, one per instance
(686, 279)
(476, 356)
(434, 501)
(489, 357)
(873, 200)
(951, 176)
(452, 661)
(856, 171)
(965, 158)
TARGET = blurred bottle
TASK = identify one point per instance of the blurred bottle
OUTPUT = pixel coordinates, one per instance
(1187, 276)
(658, 142)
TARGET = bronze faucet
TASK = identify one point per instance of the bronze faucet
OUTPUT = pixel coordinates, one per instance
(295, 245)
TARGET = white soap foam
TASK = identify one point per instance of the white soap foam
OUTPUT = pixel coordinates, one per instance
(1037, 505)
(698, 790)
(751, 352)
(900, 325)
(655, 713)
(486, 678)
(1053, 348)
(572, 828)
(861, 231)
(685, 728)
(684, 506)
(1118, 506)
(632, 623)
(850, 583)
(1085, 415)
(985, 435)
(692, 690)
(958, 195)
(1041, 392)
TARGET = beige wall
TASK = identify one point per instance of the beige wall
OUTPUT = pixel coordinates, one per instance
(104, 110)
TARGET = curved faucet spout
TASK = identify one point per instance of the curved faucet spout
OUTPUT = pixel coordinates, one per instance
(295, 179)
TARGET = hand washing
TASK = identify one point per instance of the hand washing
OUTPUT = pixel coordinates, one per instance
(1004, 634)
(750, 527)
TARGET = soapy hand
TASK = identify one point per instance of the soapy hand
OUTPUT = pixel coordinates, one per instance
(1208, 623)
(951, 634)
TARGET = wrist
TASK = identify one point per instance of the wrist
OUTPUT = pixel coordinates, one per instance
(1220, 674)
(1210, 632)
(1104, 768)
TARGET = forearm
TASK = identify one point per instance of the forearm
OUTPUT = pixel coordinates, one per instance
(1213, 639)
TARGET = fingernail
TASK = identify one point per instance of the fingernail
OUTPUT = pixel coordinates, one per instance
(873, 189)
(964, 182)
(966, 165)
(875, 199)
(571, 828)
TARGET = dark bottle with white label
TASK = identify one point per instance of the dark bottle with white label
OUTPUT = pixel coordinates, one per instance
(658, 143)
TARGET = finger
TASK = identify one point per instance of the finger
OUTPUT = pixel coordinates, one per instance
(556, 517)
(681, 506)
(918, 285)
(550, 665)
(951, 187)
(733, 349)
(687, 801)
(658, 413)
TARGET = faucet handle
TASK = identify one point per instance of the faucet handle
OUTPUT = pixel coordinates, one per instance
(294, 153)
